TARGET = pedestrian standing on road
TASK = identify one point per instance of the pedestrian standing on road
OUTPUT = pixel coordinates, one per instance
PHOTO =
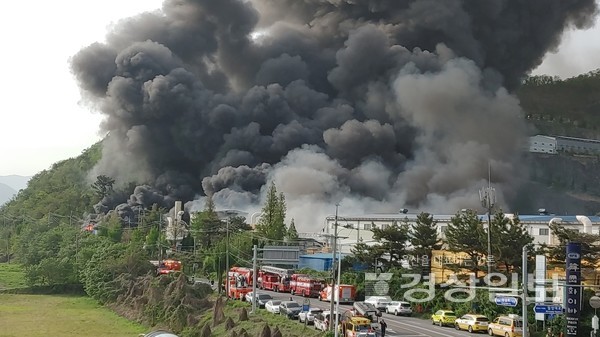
(383, 326)
(291, 299)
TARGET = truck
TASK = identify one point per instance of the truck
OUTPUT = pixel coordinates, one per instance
(346, 293)
(274, 278)
(305, 285)
(357, 326)
(367, 310)
(240, 282)
(167, 266)
(242, 276)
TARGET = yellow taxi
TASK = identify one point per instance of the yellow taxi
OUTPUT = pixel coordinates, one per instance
(443, 317)
(508, 326)
(472, 323)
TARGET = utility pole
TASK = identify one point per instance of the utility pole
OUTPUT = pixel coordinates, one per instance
(339, 277)
(487, 196)
(524, 295)
(254, 294)
(227, 260)
(332, 313)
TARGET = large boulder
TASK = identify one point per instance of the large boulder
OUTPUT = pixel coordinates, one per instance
(229, 324)
(243, 315)
(219, 314)
(266, 331)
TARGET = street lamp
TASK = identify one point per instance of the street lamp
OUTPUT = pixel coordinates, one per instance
(487, 196)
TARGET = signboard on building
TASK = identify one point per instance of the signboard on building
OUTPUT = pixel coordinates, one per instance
(573, 296)
(540, 284)
(280, 255)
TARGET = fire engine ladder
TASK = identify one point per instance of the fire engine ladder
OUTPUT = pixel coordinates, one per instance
(278, 271)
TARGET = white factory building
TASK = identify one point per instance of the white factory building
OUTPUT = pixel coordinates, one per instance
(352, 229)
(558, 144)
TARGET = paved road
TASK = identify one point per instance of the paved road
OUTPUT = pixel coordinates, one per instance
(397, 326)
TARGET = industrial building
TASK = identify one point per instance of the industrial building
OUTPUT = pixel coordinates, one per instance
(353, 229)
(558, 144)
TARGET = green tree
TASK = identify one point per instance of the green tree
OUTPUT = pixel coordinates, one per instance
(508, 237)
(465, 234)
(292, 233)
(388, 251)
(590, 250)
(111, 227)
(206, 226)
(103, 186)
(391, 247)
(423, 236)
(271, 224)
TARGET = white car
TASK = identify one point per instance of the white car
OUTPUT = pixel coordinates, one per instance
(272, 306)
(399, 308)
(321, 321)
(380, 302)
(262, 299)
(309, 316)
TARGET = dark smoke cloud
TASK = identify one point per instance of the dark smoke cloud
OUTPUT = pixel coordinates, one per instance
(379, 104)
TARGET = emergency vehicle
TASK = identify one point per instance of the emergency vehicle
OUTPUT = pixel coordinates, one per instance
(357, 326)
(305, 285)
(167, 266)
(345, 292)
(240, 282)
(274, 278)
(367, 310)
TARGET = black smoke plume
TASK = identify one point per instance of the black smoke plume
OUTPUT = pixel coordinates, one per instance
(379, 104)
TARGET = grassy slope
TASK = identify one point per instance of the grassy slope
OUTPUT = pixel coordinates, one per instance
(255, 323)
(11, 276)
(65, 316)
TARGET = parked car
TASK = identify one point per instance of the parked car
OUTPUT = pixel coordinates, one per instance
(443, 317)
(261, 298)
(272, 306)
(399, 308)
(380, 302)
(321, 321)
(508, 326)
(291, 309)
(309, 316)
(472, 323)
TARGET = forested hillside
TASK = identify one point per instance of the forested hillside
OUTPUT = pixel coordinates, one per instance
(569, 107)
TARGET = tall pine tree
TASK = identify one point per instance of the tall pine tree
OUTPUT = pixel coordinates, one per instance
(271, 224)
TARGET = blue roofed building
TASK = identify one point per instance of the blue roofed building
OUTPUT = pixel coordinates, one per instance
(318, 261)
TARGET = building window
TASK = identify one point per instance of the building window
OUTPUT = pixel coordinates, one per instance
(443, 229)
(544, 231)
(368, 226)
(384, 226)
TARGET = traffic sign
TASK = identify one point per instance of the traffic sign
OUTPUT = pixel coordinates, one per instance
(506, 301)
(548, 309)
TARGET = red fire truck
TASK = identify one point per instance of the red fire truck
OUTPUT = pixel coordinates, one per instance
(240, 282)
(167, 266)
(274, 278)
(241, 276)
(305, 285)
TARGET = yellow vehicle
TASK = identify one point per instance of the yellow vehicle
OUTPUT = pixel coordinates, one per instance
(507, 326)
(472, 323)
(443, 317)
(357, 327)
